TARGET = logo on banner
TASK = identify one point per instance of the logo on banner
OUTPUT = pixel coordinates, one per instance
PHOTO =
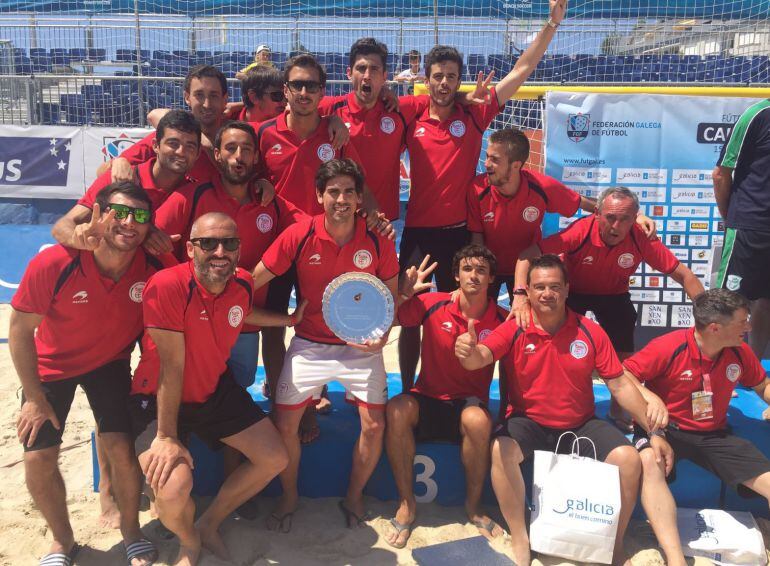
(387, 125)
(577, 127)
(34, 161)
(113, 146)
(264, 223)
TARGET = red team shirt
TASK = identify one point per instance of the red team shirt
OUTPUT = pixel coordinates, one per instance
(442, 160)
(319, 260)
(144, 171)
(597, 269)
(89, 320)
(258, 226)
(141, 152)
(441, 375)
(290, 163)
(672, 367)
(175, 300)
(379, 138)
(512, 224)
(549, 377)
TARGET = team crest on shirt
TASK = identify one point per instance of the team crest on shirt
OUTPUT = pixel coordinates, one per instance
(264, 223)
(733, 282)
(387, 125)
(457, 128)
(733, 372)
(626, 260)
(135, 292)
(325, 152)
(530, 214)
(235, 316)
(578, 349)
(484, 333)
(362, 259)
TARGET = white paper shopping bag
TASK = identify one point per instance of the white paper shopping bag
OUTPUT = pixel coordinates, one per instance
(724, 537)
(576, 505)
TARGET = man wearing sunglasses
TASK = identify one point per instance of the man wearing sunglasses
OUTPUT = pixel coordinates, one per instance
(263, 96)
(321, 248)
(75, 320)
(176, 147)
(193, 314)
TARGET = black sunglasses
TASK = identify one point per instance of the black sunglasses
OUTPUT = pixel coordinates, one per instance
(141, 215)
(211, 244)
(310, 86)
(276, 96)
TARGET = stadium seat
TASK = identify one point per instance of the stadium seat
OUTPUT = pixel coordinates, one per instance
(74, 108)
(50, 113)
(95, 54)
(41, 63)
(279, 59)
(23, 66)
(100, 110)
(33, 51)
(77, 53)
(60, 57)
(501, 64)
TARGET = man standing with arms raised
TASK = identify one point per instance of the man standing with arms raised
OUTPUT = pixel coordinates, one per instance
(444, 143)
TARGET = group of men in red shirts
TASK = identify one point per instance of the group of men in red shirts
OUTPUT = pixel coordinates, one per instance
(193, 239)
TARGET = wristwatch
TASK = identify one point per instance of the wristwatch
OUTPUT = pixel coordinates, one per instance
(550, 23)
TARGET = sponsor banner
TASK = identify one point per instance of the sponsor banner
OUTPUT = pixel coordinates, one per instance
(57, 161)
(664, 149)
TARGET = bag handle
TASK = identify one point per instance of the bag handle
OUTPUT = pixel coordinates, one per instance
(562, 435)
(576, 446)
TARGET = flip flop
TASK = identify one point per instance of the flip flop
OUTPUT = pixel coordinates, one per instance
(351, 519)
(400, 528)
(281, 524)
(141, 548)
(488, 526)
(59, 558)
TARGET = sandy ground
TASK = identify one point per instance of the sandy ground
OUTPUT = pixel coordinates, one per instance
(317, 537)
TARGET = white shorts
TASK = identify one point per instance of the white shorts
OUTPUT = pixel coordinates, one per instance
(310, 365)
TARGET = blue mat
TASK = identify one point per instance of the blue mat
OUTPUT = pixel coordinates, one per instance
(474, 550)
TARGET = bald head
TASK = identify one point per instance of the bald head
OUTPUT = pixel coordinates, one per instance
(214, 225)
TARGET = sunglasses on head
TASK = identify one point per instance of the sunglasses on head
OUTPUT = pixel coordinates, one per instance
(276, 96)
(310, 86)
(141, 215)
(211, 244)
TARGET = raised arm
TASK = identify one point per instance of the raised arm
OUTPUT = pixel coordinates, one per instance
(471, 354)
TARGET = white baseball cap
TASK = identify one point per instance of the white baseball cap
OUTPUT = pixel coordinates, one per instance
(263, 47)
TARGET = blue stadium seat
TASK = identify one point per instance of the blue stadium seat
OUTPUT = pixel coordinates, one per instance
(160, 55)
(23, 66)
(60, 56)
(96, 54)
(77, 53)
(101, 110)
(34, 51)
(391, 62)
(501, 64)
(50, 113)
(129, 55)
(74, 108)
(279, 59)
(91, 91)
(41, 63)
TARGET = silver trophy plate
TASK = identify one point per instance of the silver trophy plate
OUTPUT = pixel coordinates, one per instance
(358, 307)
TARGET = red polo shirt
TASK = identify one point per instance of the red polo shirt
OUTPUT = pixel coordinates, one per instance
(203, 169)
(175, 300)
(597, 269)
(258, 226)
(672, 366)
(89, 320)
(379, 138)
(442, 162)
(512, 224)
(144, 171)
(441, 375)
(290, 163)
(549, 377)
(319, 260)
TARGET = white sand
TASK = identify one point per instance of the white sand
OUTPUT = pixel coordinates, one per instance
(317, 537)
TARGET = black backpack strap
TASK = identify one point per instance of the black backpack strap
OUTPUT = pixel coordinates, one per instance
(70, 268)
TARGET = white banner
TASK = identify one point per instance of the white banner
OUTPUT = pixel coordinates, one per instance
(57, 161)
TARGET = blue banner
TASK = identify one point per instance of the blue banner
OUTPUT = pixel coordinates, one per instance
(34, 161)
(528, 9)
(662, 147)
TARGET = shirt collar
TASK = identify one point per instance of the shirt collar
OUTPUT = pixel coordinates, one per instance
(145, 174)
(570, 322)
(320, 229)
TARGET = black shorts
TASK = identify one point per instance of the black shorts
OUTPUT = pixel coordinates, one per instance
(614, 313)
(440, 243)
(531, 436)
(731, 458)
(745, 263)
(440, 419)
(228, 411)
(107, 391)
(497, 284)
(279, 291)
